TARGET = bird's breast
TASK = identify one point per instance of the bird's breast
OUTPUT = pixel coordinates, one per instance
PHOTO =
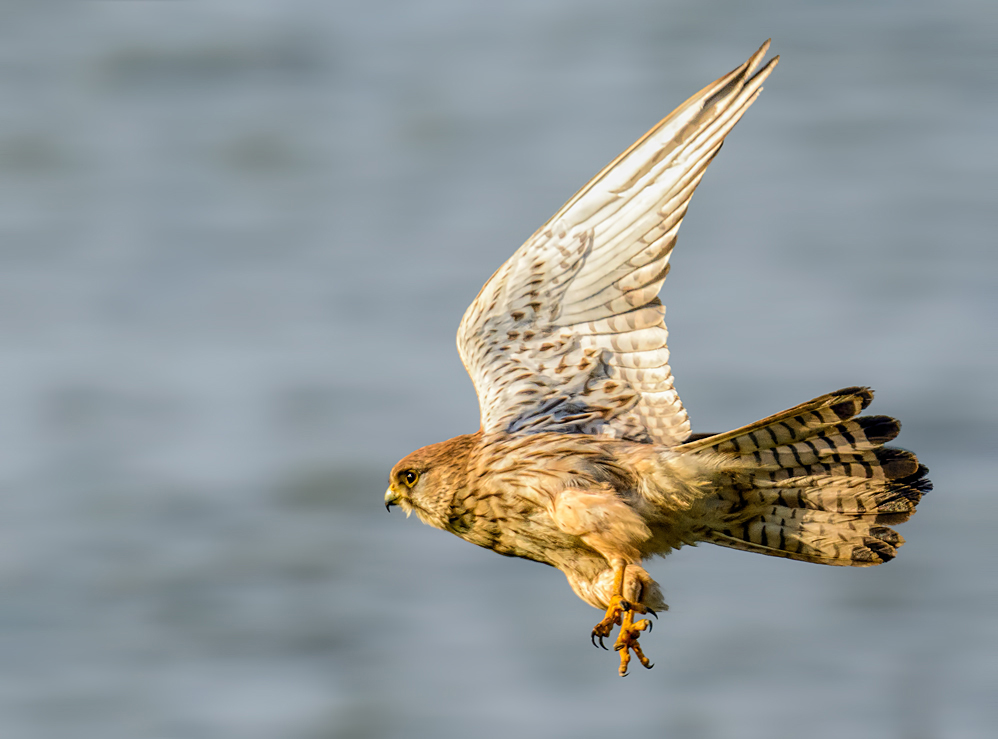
(508, 524)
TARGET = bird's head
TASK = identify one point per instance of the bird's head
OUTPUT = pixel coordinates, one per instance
(404, 483)
(426, 480)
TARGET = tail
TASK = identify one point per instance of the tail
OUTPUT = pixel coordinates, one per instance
(816, 483)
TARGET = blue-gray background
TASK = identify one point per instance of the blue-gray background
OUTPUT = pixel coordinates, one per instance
(235, 242)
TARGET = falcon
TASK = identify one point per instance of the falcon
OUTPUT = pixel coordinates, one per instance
(584, 459)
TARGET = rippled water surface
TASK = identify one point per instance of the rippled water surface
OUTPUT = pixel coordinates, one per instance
(237, 238)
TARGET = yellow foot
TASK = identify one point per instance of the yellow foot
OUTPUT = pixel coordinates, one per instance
(627, 640)
(621, 613)
(612, 618)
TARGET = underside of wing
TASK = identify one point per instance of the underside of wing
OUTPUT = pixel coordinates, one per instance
(569, 334)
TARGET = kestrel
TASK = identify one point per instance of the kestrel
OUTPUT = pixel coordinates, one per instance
(584, 459)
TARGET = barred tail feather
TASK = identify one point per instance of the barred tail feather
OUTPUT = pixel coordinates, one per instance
(815, 483)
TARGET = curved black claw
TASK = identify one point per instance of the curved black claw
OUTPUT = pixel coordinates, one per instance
(596, 636)
(650, 666)
(625, 606)
(650, 624)
(652, 612)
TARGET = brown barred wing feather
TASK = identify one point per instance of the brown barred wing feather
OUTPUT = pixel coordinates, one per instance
(569, 334)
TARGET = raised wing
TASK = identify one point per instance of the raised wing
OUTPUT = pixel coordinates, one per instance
(568, 335)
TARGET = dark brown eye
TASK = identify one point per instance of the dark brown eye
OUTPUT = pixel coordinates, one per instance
(410, 477)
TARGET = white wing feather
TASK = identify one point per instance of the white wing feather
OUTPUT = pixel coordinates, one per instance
(569, 334)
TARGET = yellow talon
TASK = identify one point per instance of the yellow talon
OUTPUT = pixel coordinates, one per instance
(627, 641)
(621, 613)
(614, 614)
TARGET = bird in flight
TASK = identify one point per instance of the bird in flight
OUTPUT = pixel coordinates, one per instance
(585, 460)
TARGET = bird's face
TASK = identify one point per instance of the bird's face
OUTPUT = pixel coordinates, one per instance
(415, 484)
(426, 480)
(402, 486)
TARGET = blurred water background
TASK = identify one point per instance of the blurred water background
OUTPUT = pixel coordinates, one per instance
(236, 239)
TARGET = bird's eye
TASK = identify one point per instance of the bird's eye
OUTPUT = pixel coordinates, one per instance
(409, 477)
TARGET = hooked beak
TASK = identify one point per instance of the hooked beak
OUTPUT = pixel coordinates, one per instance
(400, 499)
(391, 498)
